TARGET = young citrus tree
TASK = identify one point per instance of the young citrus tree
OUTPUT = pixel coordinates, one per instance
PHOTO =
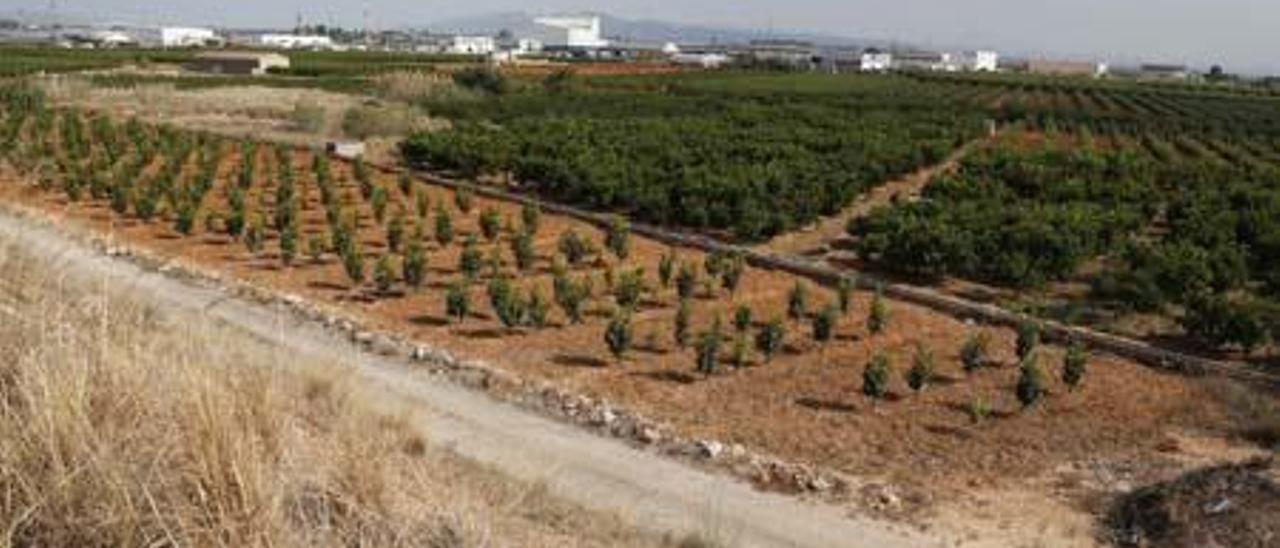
(1074, 365)
(875, 378)
(618, 335)
(770, 338)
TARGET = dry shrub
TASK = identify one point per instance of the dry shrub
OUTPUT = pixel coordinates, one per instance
(377, 120)
(125, 426)
(417, 86)
(308, 116)
(1254, 410)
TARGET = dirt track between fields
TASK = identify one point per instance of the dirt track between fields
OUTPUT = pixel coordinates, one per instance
(815, 238)
(658, 494)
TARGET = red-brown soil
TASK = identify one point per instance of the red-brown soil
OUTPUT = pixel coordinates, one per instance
(806, 405)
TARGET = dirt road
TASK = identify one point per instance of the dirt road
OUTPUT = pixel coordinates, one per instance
(655, 493)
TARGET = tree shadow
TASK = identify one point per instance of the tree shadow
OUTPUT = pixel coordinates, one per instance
(843, 243)
(950, 431)
(484, 333)
(963, 408)
(599, 312)
(654, 350)
(945, 380)
(815, 404)
(792, 349)
(848, 337)
(677, 377)
(571, 360)
(331, 286)
(430, 321)
(360, 298)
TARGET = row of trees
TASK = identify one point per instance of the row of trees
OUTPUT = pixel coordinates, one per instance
(755, 164)
(1197, 238)
(1012, 217)
(269, 196)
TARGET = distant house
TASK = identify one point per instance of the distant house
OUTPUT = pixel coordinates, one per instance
(1066, 68)
(296, 41)
(188, 37)
(706, 60)
(923, 61)
(1164, 72)
(788, 53)
(349, 150)
(470, 45)
(874, 60)
(977, 61)
(113, 39)
(238, 62)
(571, 33)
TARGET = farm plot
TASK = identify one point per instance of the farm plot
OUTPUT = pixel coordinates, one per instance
(840, 379)
(742, 155)
(1186, 231)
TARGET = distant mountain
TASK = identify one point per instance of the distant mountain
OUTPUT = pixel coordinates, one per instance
(616, 28)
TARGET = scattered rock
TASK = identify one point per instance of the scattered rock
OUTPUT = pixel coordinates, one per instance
(384, 345)
(710, 449)
(882, 497)
(1219, 507)
(649, 435)
(819, 484)
(604, 417)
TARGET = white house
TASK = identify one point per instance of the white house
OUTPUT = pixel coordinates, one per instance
(874, 60)
(238, 62)
(187, 37)
(706, 60)
(296, 41)
(572, 32)
(978, 61)
(113, 39)
(929, 61)
(470, 45)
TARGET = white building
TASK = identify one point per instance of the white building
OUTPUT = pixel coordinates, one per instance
(706, 60)
(874, 60)
(575, 33)
(470, 45)
(927, 61)
(296, 41)
(187, 37)
(978, 61)
(113, 39)
(238, 62)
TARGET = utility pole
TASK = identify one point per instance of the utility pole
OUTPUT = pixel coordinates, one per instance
(368, 38)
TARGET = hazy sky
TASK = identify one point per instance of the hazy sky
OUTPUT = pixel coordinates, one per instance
(1241, 34)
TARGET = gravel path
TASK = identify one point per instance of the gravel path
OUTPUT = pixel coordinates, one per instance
(658, 494)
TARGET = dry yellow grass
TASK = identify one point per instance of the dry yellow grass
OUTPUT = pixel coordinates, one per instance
(124, 427)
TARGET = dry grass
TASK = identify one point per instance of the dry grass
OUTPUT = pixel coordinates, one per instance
(415, 86)
(238, 111)
(1254, 411)
(124, 427)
